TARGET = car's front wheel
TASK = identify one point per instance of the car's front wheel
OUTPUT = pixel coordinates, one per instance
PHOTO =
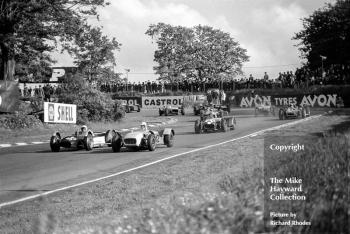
(116, 143)
(55, 143)
(169, 140)
(151, 142)
(88, 142)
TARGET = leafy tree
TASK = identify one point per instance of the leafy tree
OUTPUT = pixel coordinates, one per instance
(197, 53)
(29, 28)
(93, 52)
(326, 33)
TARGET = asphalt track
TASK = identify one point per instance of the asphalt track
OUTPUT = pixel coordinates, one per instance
(32, 169)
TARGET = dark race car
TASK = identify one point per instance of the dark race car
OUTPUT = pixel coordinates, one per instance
(83, 138)
(171, 110)
(213, 120)
(129, 107)
(293, 111)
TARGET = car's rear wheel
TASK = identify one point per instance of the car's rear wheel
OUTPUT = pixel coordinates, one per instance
(281, 115)
(127, 109)
(166, 112)
(151, 142)
(88, 142)
(198, 126)
(55, 143)
(303, 113)
(116, 143)
(224, 125)
(169, 140)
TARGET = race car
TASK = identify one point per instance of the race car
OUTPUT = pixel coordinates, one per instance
(171, 110)
(214, 120)
(83, 138)
(293, 111)
(264, 109)
(129, 107)
(143, 139)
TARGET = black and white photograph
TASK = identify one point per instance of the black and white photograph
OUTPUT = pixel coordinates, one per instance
(174, 116)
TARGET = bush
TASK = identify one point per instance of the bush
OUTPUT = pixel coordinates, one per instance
(16, 121)
(93, 105)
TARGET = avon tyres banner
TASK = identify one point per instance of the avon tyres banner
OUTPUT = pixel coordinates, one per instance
(320, 100)
(160, 101)
(9, 96)
(130, 100)
(60, 113)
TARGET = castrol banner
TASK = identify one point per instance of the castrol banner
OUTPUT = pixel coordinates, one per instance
(60, 113)
(156, 102)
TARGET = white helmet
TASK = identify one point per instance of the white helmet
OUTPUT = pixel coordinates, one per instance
(143, 125)
(83, 128)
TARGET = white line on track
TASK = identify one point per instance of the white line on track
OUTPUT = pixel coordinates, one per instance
(21, 143)
(5, 145)
(154, 162)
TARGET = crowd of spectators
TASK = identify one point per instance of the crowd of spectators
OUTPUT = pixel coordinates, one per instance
(301, 78)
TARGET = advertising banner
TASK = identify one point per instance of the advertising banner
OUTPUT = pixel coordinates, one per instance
(320, 100)
(9, 96)
(160, 101)
(60, 113)
(130, 100)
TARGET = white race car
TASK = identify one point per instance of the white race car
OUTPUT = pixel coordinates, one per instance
(143, 139)
(264, 109)
(83, 138)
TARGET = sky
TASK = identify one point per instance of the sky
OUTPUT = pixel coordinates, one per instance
(263, 27)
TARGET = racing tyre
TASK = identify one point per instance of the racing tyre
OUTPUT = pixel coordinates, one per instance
(169, 140)
(127, 109)
(139, 109)
(224, 125)
(198, 127)
(307, 111)
(160, 113)
(303, 113)
(116, 143)
(281, 115)
(55, 143)
(273, 111)
(88, 142)
(151, 142)
(166, 112)
(256, 112)
(183, 112)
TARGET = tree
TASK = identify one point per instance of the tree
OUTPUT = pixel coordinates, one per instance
(30, 28)
(195, 53)
(326, 33)
(93, 52)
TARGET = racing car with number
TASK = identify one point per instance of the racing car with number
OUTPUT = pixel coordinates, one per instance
(293, 111)
(143, 139)
(213, 120)
(264, 109)
(171, 110)
(83, 138)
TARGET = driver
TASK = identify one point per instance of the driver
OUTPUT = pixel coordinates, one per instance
(83, 128)
(144, 126)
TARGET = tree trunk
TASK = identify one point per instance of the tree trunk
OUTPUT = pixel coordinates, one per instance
(7, 64)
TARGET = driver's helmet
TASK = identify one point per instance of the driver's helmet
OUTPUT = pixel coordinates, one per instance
(83, 128)
(143, 126)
